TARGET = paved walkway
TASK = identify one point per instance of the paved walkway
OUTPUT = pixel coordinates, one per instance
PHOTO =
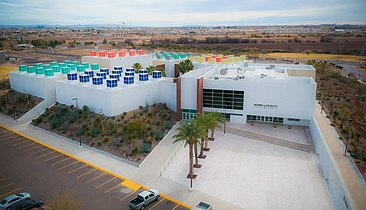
(350, 178)
(148, 174)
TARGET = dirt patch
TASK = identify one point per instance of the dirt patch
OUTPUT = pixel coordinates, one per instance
(15, 104)
(5, 69)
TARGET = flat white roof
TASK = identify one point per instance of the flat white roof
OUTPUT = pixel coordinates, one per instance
(252, 71)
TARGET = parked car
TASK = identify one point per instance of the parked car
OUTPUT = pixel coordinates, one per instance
(28, 204)
(203, 206)
(10, 201)
(144, 198)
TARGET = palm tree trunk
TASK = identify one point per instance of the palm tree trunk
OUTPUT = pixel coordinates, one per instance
(212, 134)
(196, 155)
(201, 151)
(191, 163)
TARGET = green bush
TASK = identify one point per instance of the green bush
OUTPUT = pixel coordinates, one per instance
(54, 122)
(99, 144)
(159, 135)
(105, 140)
(95, 132)
(146, 148)
(169, 125)
(38, 120)
(135, 150)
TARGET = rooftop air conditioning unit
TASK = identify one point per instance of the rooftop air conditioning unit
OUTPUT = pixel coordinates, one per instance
(216, 78)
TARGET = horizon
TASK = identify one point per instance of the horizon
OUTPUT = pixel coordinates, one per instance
(158, 13)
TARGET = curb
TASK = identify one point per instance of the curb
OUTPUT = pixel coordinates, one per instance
(91, 164)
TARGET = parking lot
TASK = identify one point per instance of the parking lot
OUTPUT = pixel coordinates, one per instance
(27, 166)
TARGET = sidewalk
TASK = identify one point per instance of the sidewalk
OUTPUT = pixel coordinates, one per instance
(349, 176)
(148, 174)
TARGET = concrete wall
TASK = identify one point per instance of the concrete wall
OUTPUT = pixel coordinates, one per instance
(36, 85)
(115, 101)
(189, 92)
(329, 168)
(125, 62)
(168, 94)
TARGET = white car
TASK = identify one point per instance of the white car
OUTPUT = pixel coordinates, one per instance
(9, 201)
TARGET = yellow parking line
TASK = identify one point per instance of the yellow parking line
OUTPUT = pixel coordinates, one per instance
(96, 177)
(68, 165)
(85, 162)
(39, 151)
(6, 185)
(32, 148)
(175, 207)
(128, 195)
(105, 182)
(60, 161)
(156, 204)
(77, 169)
(26, 145)
(86, 173)
(13, 141)
(45, 154)
(3, 179)
(25, 141)
(112, 188)
(8, 193)
(53, 157)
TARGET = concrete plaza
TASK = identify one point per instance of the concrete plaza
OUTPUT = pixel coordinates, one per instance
(254, 174)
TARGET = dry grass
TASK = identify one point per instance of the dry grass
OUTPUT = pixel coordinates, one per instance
(5, 69)
(304, 56)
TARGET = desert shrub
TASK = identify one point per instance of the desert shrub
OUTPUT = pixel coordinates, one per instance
(135, 128)
(54, 122)
(169, 125)
(146, 148)
(105, 140)
(81, 131)
(72, 117)
(111, 127)
(136, 150)
(38, 120)
(20, 98)
(99, 144)
(159, 135)
(149, 114)
(95, 131)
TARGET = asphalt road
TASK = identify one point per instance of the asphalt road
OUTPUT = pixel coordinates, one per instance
(27, 166)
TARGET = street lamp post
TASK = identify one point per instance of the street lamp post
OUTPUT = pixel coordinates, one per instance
(77, 107)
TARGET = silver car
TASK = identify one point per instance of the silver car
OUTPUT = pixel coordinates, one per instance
(9, 201)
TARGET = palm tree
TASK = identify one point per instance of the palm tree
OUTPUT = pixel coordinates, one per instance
(204, 120)
(185, 66)
(150, 69)
(215, 121)
(137, 67)
(189, 132)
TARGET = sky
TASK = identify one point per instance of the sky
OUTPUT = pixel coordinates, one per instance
(158, 13)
